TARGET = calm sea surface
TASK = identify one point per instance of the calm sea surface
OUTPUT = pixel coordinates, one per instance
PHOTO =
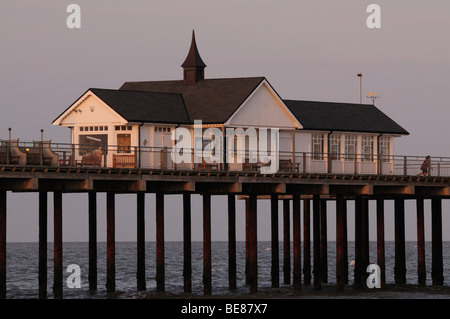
(22, 273)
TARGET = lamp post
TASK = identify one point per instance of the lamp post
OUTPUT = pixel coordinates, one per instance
(360, 87)
(42, 148)
(8, 147)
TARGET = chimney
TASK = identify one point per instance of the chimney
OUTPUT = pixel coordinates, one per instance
(193, 66)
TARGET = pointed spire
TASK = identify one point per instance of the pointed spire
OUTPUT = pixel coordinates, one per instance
(193, 58)
(193, 66)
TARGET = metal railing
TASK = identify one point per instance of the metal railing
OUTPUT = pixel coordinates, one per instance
(47, 153)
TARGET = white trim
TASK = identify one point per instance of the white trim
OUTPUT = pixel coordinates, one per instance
(81, 100)
(275, 95)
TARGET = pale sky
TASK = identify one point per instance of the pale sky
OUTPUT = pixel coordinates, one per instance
(308, 50)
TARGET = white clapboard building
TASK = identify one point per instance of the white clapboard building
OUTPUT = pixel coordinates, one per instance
(132, 126)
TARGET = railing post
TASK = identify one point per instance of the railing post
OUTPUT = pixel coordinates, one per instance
(304, 162)
(438, 169)
(405, 166)
(73, 162)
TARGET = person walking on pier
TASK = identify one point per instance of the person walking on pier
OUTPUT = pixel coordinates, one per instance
(426, 167)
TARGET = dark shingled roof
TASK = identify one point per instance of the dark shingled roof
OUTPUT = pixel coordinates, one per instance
(144, 106)
(347, 117)
(210, 100)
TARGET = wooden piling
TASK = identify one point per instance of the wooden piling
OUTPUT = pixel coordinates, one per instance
(187, 244)
(140, 238)
(232, 241)
(207, 266)
(297, 273)
(253, 247)
(275, 267)
(247, 240)
(421, 268)
(3, 199)
(323, 241)
(345, 238)
(110, 243)
(57, 246)
(399, 237)
(92, 225)
(381, 261)
(42, 277)
(341, 262)
(307, 241)
(364, 238)
(358, 272)
(286, 242)
(437, 265)
(316, 237)
(160, 268)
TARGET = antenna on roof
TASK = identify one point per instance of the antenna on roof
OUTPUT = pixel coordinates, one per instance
(373, 97)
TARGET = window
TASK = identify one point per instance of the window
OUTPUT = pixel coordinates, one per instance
(163, 129)
(123, 128)
(123, 143)
(335, 146)
(385, 148)
(317, 146)
(93, 128)
(367, 148)
(92, 143)
(350, 147)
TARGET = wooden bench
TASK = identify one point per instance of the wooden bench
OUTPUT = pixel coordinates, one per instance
(288, 166)
(124, 161)
(207, 166)
(90, 160)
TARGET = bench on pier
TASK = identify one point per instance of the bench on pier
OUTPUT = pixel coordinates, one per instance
(286, 165)
(16, 156)
(123, 161)
(90, 160)
(207, 166)
(41, 154)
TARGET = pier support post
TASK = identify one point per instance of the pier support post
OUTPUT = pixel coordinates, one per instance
(253, 247)
(92, 221)
(358, 272)
(286, 242)
(421, 268)
(307, 241)
(187, 244)
(323, 241)
(399, 237)
(207, 267)
(110, 243)
(316, 236)
(3, 198)
(297, 274)
(232, 241)
(140, 232)
(275, 269)
(436, 243)
(42, 277)
(58, 246)
(380, 241)
(341, 225)
(345, 246)
(364, 238)
(160, 269)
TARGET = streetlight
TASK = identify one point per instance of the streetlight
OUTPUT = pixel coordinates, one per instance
(360, 87)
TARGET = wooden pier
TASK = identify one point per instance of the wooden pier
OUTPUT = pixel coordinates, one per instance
(304, 189)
